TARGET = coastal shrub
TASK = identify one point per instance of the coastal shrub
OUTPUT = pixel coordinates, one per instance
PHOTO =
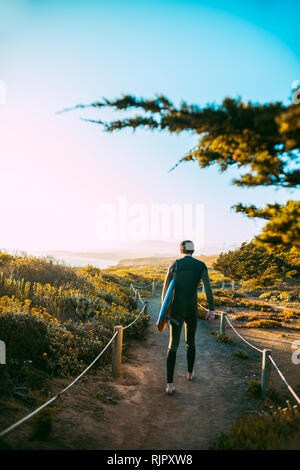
(241, 354)
(41, 423)
(224, 339)
(263, 324)
(277, 429)
(280, 296)
(33, 336)
(34, 269)
(254, 389)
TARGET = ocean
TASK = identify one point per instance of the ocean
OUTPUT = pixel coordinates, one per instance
(77, 261)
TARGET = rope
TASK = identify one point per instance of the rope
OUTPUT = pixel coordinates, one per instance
(257, 349)
(125, 327)
(15, 425)
(252, 346)
(207, 310)
(273, 362)
(139, 297)
(142, 287)
(91, 364)
(284, 380)
(18, 423)
(30, 415)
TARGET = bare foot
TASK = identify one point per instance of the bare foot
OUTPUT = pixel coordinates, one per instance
(190, 375)
(170, 389)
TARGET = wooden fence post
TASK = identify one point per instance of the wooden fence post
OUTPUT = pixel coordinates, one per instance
(2, 352)
(117, 352)
(203, 289)
(146, 308)
(233, 284)
(153, 288)
(136, 298)
(265, 371)
(223, 323)
(223, 284)
(131, 290)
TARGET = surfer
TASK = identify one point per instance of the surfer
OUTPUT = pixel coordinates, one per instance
(188, 271)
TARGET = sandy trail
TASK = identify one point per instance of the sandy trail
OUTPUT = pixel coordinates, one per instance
(133, 411)
(147, 418)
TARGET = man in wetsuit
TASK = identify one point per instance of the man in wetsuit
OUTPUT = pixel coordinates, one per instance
(188, 272)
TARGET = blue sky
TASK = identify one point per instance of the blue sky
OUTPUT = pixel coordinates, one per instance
(57, 169)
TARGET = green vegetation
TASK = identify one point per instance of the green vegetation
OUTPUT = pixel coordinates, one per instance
(274, 427)
(56, 319)
(241, 354)
(140, 275)
(263, 324)
(273, 396)
(142, 271)
(41, 423)
(254, 390)
(221, 338)
(288, 298)
(277, 429)
(233, 299)
(269, 320)
(255, 264)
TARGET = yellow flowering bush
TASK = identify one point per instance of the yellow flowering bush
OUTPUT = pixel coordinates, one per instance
(32, 335)
(57, 319)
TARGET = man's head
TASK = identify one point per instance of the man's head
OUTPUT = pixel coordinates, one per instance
(187, 247)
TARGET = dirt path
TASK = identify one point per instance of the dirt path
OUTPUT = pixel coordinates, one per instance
(191, 418)
(133, 412)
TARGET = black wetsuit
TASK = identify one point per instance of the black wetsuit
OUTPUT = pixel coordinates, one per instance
(188, 273)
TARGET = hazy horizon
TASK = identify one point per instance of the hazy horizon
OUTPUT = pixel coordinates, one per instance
(126, 250)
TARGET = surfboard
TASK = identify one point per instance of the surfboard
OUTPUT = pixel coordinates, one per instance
(165, 311)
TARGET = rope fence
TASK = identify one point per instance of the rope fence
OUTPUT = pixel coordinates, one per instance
(117, 338)
(249, 344)
(155, 285)
(30, 415)
(266, 354)
(223, 285)
(141, 312)
(142, 287)
(284, 380)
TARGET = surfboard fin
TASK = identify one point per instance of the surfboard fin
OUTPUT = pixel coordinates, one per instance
(171, 320)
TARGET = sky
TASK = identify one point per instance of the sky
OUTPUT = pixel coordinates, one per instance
(58, 170)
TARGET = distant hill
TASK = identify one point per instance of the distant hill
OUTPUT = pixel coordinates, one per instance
(148, 249)
(207, 259)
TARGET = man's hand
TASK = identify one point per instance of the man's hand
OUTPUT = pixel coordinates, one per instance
(210, 316)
